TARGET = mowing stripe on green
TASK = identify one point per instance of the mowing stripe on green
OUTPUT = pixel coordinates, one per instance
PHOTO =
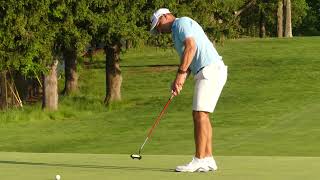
(44, 166)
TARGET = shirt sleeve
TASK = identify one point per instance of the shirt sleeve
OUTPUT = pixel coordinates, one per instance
(184, 29)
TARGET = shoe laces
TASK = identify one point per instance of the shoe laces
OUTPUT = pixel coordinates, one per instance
(192, 162)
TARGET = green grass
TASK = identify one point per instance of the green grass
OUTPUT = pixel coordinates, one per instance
(35, 166)
(269, 106)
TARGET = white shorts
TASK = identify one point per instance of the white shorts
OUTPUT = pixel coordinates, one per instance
(209, 83)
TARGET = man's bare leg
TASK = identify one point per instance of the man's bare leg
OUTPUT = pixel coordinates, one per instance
(209, 139)
(202, 134)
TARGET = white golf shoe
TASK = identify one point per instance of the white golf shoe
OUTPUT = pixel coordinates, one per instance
(196, 165)
(211, 163)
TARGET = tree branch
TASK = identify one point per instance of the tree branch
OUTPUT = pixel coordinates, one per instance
(244, 7)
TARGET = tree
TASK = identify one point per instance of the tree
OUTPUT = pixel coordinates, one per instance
(310, 24)
(288, 27)
(117, 21)
(50, 88)
(18, 42)
(299, 9)
(268, 16)
(72, 19)
(285, 7)
(217, 18)
(256, 19)
(280, 19)
(262, 30)
(26, 37)
(265, 7)
(245, 7)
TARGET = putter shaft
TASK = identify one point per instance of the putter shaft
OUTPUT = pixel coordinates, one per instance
(155, 123)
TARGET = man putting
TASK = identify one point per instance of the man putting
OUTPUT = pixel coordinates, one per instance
(199, 57)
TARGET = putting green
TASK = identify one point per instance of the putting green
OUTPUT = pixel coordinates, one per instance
(43, 166)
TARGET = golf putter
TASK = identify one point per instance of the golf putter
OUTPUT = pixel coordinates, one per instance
(138, 156)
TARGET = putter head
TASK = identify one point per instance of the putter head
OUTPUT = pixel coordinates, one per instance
(136, 156)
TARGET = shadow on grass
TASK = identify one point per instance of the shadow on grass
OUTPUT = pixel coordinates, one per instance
(88, 166)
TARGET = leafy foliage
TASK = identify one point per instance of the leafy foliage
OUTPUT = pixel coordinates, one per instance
(311, 23)
(73, 21)
(26, 38)
(268, 9)
(33, 33)
(116, 21)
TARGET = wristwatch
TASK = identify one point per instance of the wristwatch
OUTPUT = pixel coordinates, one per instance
(180, 71)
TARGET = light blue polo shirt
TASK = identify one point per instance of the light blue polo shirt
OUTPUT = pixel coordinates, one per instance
(206, 54)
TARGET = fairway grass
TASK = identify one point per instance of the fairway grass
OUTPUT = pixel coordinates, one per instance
(44, 166)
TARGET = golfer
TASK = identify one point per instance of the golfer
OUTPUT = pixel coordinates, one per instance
(199, 57)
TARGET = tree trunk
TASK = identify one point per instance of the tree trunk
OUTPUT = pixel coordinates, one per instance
(288, 29)
(3, 90)
(262, 32)
(129, 44)
(113, 73)
(50, 89)
(71, 76)
(280, 18)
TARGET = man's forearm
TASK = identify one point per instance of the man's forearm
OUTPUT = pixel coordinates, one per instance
(184, 71)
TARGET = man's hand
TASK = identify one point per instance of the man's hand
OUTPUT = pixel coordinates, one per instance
(178, 83)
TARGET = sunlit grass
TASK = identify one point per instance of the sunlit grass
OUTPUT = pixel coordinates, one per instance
(269, 106)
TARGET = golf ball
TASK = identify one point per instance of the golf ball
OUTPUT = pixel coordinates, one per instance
(58, 177)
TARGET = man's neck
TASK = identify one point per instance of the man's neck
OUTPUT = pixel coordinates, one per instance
(171, 23)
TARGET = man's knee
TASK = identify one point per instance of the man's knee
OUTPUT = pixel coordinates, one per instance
(200, 116)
